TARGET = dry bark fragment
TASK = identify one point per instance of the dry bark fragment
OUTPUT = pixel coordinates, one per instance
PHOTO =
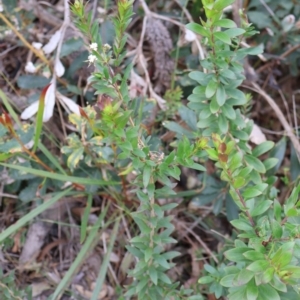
(161, 45)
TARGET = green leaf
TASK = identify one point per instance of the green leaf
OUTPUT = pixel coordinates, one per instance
(233, 32)
(236, 254)
(261, 208)
(197, 29)
(267, 275)
(262, 148)
(251, 192)
(148, 254)
(175, 127)
(252, 291)
(270, 163)
(236, 161)
(213, 154)
(295, 163)
(228, 74)
(242, 225)
(239, 182)
(146, 175)
(221, 4)
(228, 111)
(258, 266)
(223, 37)
(153, 274)
(227, 280)
(266, 292)
(201, 78)
(254, 255)
(238, 96)
(210, 269)
(205, 113)
(244, 277)
(164, 278)
(226, 23)
(255, 163)
(221, 95)
(196, 166)
(214, 106)
(211, 88)
(71, 46)
(278, 284)
(205, 279)
(75, 157)
(278, 152)
(32, 81)
(223, 124)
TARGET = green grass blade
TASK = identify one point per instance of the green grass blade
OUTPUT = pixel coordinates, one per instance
(105, 263)
(29, 217)
(39, 118)
(61, 177)
(85, 218)
(51, 158)
(10, 108)
(87, 246)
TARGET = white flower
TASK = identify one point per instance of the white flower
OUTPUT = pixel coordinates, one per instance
(49, 104)
(30, 68)
(94, 46)
(53, 42)
(59, 68)
(189, 35)
(106, 47)
(288, 23)
(37, 45)
(92, 58)
(71, 105)
(1, 7)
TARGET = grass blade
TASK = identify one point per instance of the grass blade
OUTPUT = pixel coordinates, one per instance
(92, 238)
(28, 217)
(85, 217)
(61, 177)
(105, 263)
(39, 118)
(51, 158)
(10, 108)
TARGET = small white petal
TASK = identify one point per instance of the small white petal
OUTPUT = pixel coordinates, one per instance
(30, 68)
(92, 58)
(257, 137)
(269, 31)
(101, 10)
(189, 35)
(53, 42)
(288, 23)
(1, 8)
(29, 144)
(227, 8)
(37, 45)
(30, 110)
(59, 68)
(94, 46)
(49, 102)
(73, 107)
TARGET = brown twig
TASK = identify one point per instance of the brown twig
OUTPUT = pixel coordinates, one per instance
(281, 117)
